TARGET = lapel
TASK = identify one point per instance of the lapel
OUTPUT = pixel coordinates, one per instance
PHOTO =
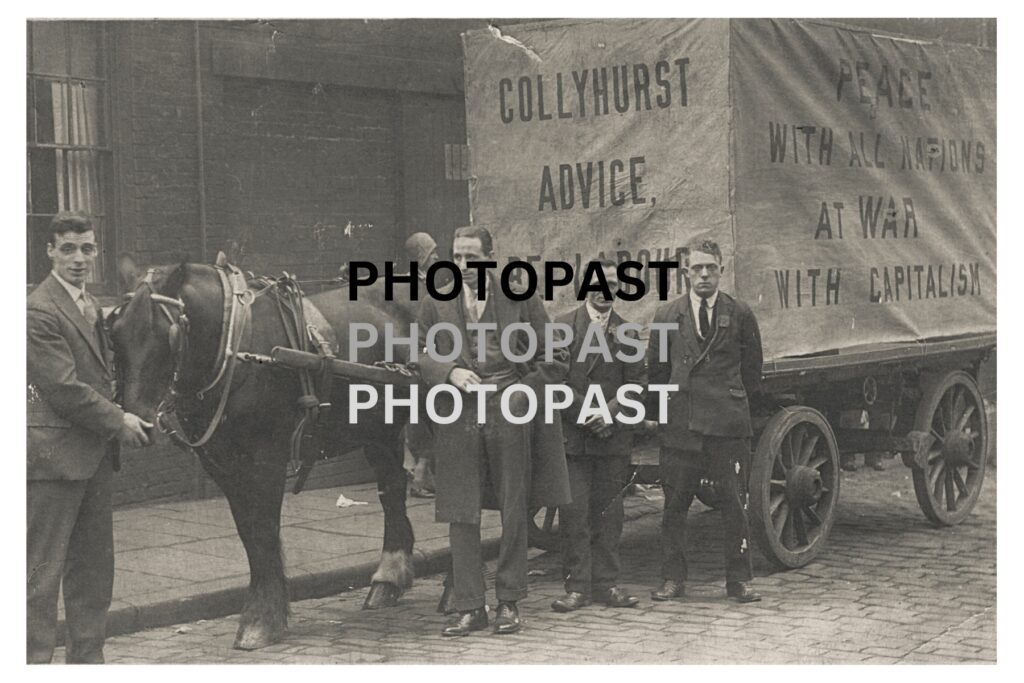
(723, 319)
(506, 311)
(69, 308)
(688, 326)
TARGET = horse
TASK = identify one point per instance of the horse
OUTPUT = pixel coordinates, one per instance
(169, 339)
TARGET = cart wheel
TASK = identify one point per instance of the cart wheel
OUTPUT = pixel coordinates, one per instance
(952, 412)
(542, 531)
(794, 486)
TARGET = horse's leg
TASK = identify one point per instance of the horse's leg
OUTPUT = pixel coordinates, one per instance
(254, 487)
(395, 572)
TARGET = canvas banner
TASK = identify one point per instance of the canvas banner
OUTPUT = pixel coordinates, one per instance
(848, 177)
(865, 185)
(594, 139)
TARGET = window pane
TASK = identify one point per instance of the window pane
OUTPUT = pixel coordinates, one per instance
(76, 117)
(87, 114)
(49, 52)
(43, 111)
(43, 180)
(82, 180)
(86, 56)
(30, 135)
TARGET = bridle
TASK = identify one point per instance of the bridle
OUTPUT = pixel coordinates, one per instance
(237, 314)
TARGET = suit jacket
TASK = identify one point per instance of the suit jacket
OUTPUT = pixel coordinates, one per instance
(71, 415)
(714, 382)
(595, 370)
(455, 477)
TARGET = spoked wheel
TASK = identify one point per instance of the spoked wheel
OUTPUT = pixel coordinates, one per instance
(543, 529)
(794, 486)
(948, 483)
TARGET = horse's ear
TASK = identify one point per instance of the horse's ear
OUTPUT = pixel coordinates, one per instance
(222, 260)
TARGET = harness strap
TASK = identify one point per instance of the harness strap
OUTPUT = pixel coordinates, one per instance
(235, 299)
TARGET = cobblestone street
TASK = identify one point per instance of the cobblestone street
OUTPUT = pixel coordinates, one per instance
(888, 589)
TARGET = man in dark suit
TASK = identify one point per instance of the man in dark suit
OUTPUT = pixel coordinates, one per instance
(72, 425)
(598, 458)
(471, 458)
(715, 358)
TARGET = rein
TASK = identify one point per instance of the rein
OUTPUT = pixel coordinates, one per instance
(237, 301)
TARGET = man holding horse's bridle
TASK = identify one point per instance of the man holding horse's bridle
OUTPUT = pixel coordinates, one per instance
(523, 464)
(73, 427)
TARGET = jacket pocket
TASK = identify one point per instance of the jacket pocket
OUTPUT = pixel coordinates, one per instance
(738, 393)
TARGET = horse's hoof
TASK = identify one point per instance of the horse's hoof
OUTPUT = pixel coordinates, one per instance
(255, 638)
(382, 595)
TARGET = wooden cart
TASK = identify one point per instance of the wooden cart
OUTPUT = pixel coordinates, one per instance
(923, 402)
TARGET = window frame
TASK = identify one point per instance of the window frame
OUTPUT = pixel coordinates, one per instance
(105, 273)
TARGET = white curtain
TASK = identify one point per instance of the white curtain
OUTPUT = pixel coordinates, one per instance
(76, 121)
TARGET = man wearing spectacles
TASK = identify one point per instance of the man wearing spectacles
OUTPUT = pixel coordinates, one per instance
(714, 356)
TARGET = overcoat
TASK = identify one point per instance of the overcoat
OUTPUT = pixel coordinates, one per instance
(457, 458)
(596, 370)
(71, 419)
(715, 382)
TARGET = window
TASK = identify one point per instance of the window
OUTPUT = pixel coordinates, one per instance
(456, 162)
(69, 153)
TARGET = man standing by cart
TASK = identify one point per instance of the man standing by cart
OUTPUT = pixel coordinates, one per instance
(598, 458)
(521, 464)
(714, 356)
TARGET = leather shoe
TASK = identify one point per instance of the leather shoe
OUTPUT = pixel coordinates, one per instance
(669, 590)
(570, 603)
(616, 597)
(466, 622)
(506, 618)
(741, 592)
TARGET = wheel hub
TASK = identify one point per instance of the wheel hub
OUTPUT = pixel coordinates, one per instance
(957, 448)
(803, 486)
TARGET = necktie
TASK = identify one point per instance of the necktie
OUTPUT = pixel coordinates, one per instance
(705, 322)
(473, 308)
(88, 309)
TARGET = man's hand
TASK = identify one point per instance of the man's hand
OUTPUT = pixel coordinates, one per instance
(133, 431)
(463, 378)
(595, 425)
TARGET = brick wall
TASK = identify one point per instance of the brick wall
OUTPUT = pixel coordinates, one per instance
(154, 129)
(300, 176)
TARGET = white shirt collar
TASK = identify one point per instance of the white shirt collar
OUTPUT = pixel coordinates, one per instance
(73, 291)
(695, 302)
(596, 315)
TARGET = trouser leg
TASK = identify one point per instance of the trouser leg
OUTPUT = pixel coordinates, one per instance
(574, 522)
(89, 571)
(606, 514)
(678, 470)
(730, 463)
(467, 566)
(508, 448)
(52, 508)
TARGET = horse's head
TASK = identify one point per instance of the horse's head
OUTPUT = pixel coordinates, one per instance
(149, 341)
(167, 334)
